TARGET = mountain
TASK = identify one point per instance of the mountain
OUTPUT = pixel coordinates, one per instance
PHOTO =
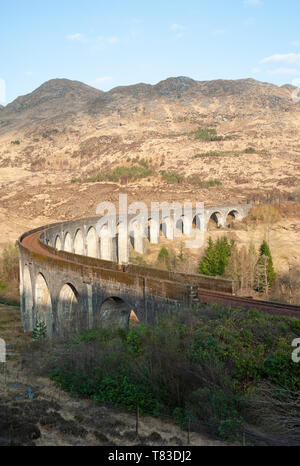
(55, 97)
(62, 96)
(68, 127)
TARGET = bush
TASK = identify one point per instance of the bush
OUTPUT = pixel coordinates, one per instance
(16, 142)
(203, 367)
(171, 177)
(40, 331)
(134, 172)
(207, 134)
(211, 183)
(250, 150)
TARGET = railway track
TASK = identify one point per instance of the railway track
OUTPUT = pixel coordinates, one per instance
(274, 308)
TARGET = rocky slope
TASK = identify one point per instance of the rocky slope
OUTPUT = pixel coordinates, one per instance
(67, 125)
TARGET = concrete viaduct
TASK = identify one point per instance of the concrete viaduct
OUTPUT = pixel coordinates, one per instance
(74, 279)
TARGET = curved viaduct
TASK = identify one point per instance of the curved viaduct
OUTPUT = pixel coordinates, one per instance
(73, 279)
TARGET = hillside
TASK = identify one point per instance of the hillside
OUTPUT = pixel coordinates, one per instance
(67, 125)
(67, 131)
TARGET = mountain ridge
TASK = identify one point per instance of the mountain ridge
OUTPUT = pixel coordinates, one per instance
(58, 97)
(179, 83)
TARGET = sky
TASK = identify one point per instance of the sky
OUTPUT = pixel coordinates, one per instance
(120, 42)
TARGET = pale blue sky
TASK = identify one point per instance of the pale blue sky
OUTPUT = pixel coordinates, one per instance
(119, 42)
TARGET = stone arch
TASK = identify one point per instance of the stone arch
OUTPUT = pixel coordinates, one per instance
(215, 220)
(232, 215)
(68, 310)
(114, 313)
(179, 227)
(43, 303)
(79, 243)
(57, 243)
(196, 224)
(68, 243)
(92, 243)
(28, 299)
(167, 227)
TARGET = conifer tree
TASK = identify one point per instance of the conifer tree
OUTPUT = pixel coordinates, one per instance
(265, 274)
(265, 251)
(215, 257)
(208, 263)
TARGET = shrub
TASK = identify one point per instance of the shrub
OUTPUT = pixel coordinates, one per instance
(207, 134)
(250, 150)
(40, 331)
(196, 180)
(203, 367)
(214, 182)
(134, 172)
(193, 179)
(16, 142)
(171, 177)
(143, 163)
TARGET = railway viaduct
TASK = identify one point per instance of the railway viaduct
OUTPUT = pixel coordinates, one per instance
(73, 278)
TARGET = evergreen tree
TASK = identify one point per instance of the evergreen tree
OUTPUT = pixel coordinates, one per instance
(40, 331)
(215, 257)
(265, 275)
(265, 251)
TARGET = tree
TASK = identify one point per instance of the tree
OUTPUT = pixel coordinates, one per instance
(265, 251)
(265, 273)
(242, 267)
(216, 257)
(40, 331)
